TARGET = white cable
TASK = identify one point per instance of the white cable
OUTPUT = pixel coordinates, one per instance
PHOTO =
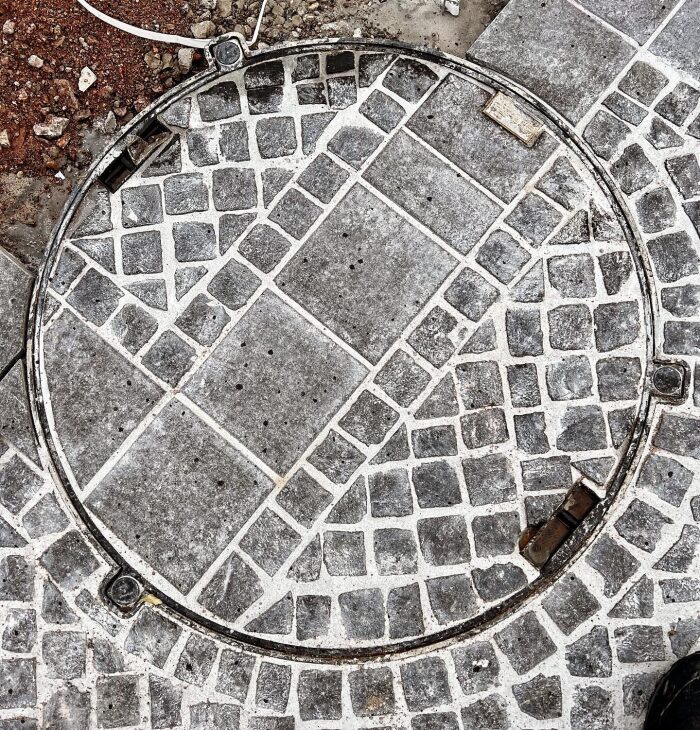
(257, 25)
(147, 34)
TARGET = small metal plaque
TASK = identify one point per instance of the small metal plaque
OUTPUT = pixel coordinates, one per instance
(504, 111)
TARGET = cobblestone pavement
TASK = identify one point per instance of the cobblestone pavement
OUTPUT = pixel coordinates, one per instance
(318, 370)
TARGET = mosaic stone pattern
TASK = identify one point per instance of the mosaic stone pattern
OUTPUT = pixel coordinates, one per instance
(585, 653)
(358, 379)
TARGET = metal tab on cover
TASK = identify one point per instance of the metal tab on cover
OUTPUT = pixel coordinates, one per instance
(504, 111)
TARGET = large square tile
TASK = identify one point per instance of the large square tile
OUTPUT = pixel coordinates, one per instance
(555, 50)
(365, 273)
(97, 397)
(179, 495)
(275, 381)
(452, 122)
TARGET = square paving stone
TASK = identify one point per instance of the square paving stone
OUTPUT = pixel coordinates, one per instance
(642, 83)
(554, 50)
(337, 458)
(618, 378)
(642, 525)
(170, 358)
(572, 276)
(344, 553)
(402, 378)
(665, 477)
(235, 671)
(304, 498)
(202, 147)
(638, 21)
(219, 102)
(390, 494)
(95, 297)
(182, 501)
(436, 484)
(570, 327)
(311, 93)
(496, 534)
(196, 660)
(677, 42)
(313, 616)
(425, 683)
(19, 484)
(479, 384)
(605, 133)
(64, 654)
(203, 320)
(435, 721)
(499, 580)
(525, 642)
(141, 206)
(685, 173)
(142, 253)
(524, 332)
(632, 169)
(477, 667)
(276, 137)
(471, 294)
(523, 384)
(448, 204)
(432, 338)
(233, 285)
(288, 394)
(531, 433)
(382, 110)
(372, 691)
(88, 377)
(16, 579)
(67, 270)
(404, 612)
(272, 687)
(264, 247)
(342, 92)
(270, 541)
(265, 100)
(615, 563)
(434, 441)
(534, 218)
(615, 325)
(194, 241)
(569, 378)
(656, 210)
(582, 428)
(395, 551)
(489, 479)
(409, 79)
(234, 189)
(502, 256)
(444, 540)
(295, 213)
(233, 142)
(389, 281)
(369, 418)
(185, 194)
(550, 473)
(452, 122)
(319, 694)
(677, 105)
(451, 598)
(570, 603)
(166, 699)
(640, 643)
(323, 178)
(118, 701)
(484, 427)
(362, 613)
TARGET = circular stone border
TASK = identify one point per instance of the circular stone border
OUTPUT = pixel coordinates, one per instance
(572, 546)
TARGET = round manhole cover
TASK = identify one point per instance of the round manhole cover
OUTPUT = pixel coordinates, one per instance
(315, 366)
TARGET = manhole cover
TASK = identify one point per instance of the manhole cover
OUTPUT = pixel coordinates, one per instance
(314, 366)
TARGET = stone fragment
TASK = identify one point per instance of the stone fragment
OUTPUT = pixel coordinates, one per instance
(591, 655)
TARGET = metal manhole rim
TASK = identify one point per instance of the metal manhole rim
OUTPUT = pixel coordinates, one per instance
(571, 549)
